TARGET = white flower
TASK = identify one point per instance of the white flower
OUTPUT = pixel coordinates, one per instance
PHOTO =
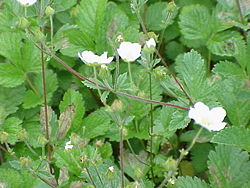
(68, 145)
(27, 2)
(89, 57)
(150, 43)
(129, 51)
(103, 59)
(209, 119)
(111, 169)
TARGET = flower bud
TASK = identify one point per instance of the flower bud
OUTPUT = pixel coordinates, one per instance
(42, 140)
(160, 72)
(171, 7)
(24, 162)
(3, 136)
(75, 139)
(110, 173)
(39, 35)
(23, 23)
(117, 106)
(125, 131)
(49, 11)
(99, 143)
(170, 164)
(74, 12)
(23, 135)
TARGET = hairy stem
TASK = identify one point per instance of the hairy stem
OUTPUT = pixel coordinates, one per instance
(45, 107)
(83, 78)
(130, 74)
(121, 156)
(51, 32)
(151, 128)
(182, 155)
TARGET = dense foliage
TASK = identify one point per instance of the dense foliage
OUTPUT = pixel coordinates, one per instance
(68, 123)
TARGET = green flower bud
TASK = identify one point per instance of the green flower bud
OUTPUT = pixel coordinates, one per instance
(23, 135)
(138, 173)
(39, 35)
(125, 132)
(117, 106)
(171, 7)
(110, 173)
(170, 164)
(23, 23)
(24, 162)
(74, 12)
(75, 139)
(49, 11)
(3, 136)
(160, 72)
(42, 140)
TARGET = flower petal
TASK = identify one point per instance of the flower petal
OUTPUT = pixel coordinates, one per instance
(218, 114)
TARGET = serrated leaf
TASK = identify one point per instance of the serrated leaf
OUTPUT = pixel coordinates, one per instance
(227, 68)
(92, 85)
(96, 124)
(34, 131)
(10, 98)
(62, 5)
(179, 120)
(200, 156)
(12, 126)
(235, 99)
(224, 43)
(195, 22)
(191, 69)
(10, 76)
(156, 11)
(35, 97)
(233, 136)
(229, 167)
(190, 182)
(72, 97)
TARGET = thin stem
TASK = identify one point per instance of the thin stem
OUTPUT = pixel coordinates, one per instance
(209, 61)
(80, 77)
(151, 128)
(241, 17)
(51, 32)
(98, 174)
(31, 149)
(25, 11)
(121, 156)
(130, 74)
(182, 155)
(162, 59)
(90, 176)
(32, 86)
(132, 150)
(45, 107)
(95, 75)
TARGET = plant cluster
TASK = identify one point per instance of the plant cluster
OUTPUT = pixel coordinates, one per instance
(125, 93)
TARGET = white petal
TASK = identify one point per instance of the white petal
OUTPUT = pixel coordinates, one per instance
(199, 111)
(217, 127)
(150, 43)
(27, 2)
(218, 114)
(129, 51)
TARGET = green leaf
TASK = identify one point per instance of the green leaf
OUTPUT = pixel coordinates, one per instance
(90, 17)
(191, 69)
(195, 22)
(190, 182)
(96, 124)
(34, 130)
(35, 97)
(233, 136)
(179, 120)
(227, 68)
(62, 5)
(10, 76)
(156, 11)
(72, 97)
(229, 167)
(235, 99)
(224, 43)
(24, 55)
(12, 126)
(10, 98)
(200, 156)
